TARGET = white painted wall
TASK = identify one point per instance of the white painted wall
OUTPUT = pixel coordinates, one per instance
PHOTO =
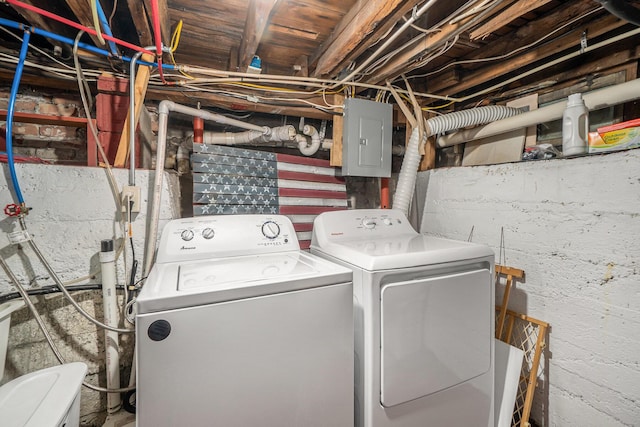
(573, 225)
(73, 210)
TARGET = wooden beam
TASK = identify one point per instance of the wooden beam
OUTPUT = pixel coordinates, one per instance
(42, 119)
(140, 90)
(356, 25)
(257, 19)
(82, 11)
(405, 61)
(507, 16)
(524, 36)
(46, 24)
(165, 22)
(335, 155)
(237, 104)
(559, 44)
(141, 21)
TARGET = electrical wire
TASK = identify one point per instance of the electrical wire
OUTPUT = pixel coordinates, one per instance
(25, 296)
(96, 21)
(508, 54)
(81, 86)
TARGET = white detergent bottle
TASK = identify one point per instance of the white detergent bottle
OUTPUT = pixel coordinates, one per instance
(575, 126)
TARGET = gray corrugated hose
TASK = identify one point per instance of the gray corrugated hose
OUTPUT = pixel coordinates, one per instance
(436, 125)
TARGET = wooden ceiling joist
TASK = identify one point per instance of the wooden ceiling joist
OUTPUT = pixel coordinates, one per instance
(566, 41)
(141, 21)
(507, 16)
(82, 11)
(405, 61)
(257, 20)
(165, 22)
(356, 26)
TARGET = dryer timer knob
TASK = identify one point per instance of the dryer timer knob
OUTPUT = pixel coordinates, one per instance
(369, 223)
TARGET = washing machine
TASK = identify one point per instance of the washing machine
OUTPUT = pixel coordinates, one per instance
(424, 320)
(237, 327)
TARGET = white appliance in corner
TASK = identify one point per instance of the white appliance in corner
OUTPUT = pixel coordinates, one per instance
(237, 327)
(424, 320)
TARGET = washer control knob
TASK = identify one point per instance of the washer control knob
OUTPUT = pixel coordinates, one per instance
(186, 235)
(208, 233)
(369, 223)
(387, 221)
(270, 229)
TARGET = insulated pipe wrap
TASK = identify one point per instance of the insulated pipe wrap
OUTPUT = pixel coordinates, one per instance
(408, 171)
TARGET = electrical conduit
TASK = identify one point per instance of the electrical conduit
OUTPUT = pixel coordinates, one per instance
(163, 119)
(110, 309)
(436, 125)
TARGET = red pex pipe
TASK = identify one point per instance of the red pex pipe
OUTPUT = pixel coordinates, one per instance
(76, 25)
(157, 35)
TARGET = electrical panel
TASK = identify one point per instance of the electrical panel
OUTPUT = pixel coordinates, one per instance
(366, 140)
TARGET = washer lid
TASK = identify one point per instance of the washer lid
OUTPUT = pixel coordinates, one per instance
(42, 397)
(187, 284)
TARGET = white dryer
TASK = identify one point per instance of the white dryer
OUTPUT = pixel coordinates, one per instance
(424, 320)
(237, 327)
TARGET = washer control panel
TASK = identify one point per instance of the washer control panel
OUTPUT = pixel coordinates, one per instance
(219, 236)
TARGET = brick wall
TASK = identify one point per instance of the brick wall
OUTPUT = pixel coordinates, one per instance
(57, 144)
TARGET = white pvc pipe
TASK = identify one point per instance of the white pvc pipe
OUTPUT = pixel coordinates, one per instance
(309, 149)
(110, 309)
(594, 100)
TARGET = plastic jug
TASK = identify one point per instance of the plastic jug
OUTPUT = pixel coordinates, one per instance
(575, 126)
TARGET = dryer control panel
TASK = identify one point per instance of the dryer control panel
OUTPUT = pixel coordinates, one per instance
(362, 223)
(219, 236)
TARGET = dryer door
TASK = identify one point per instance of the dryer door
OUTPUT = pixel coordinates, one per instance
(435, 333)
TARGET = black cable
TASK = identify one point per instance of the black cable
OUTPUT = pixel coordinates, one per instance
(45, 290)
(126, 401)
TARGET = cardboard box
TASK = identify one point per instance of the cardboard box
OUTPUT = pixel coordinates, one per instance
(620, 136)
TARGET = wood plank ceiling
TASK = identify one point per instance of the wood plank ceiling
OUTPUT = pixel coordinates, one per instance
(455, 50)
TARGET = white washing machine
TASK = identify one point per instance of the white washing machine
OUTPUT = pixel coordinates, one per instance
(237, 327)
(424, 310)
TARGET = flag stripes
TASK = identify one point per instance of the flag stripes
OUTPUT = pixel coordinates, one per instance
(230, 180)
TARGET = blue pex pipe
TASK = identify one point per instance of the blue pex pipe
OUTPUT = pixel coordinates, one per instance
(105, 25)
(81, 45)
(10, 110)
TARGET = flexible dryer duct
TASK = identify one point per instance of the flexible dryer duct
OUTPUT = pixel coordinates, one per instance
(436, 125)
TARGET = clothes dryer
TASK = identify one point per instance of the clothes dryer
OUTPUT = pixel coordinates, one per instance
(424, 320)
(237, 327)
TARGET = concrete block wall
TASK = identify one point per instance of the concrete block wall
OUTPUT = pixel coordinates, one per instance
(73, 210)
(48, 142)
(573, 225)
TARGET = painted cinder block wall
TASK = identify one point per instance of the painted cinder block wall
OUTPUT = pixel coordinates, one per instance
(73, 210)
(573, 225)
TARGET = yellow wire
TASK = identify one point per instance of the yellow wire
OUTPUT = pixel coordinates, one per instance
(438, 107)
(175, 37)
